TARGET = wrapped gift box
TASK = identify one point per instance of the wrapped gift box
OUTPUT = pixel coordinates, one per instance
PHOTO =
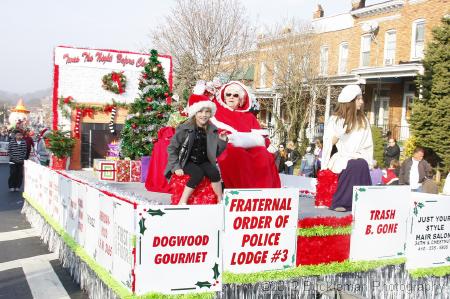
(122, 171)
(136, 171)
(105, 170)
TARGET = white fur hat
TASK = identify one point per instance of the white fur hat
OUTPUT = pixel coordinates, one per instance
(349, 93)
(197, 102)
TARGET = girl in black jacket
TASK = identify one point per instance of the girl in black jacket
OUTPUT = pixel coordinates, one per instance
(195, 146)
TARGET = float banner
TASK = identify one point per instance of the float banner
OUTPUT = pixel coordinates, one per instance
(428, 238)
(260, 229)
(380, 216)
(124, 236)
(105, 238)
(179, 249)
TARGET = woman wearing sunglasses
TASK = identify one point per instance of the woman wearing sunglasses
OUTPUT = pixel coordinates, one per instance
(245, 163)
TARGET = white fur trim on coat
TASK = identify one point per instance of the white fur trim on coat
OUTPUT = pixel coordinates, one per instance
(193, 109)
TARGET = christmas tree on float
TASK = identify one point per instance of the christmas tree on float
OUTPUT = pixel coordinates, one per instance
(149, 112)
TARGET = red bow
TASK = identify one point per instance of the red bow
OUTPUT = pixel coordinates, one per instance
(88, 112)
(108, 108)
(116, 78)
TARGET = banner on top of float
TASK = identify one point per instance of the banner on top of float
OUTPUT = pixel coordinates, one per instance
(379, 227)
(428, 239)
(81, 71)
(179, 249)
(260, 229)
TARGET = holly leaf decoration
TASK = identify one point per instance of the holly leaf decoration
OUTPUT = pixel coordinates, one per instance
(234, 192)
(415, 211)
(155, 212)
(216, 271)
(362, 189)
(399, 253)
(448, 258)
(420, 205)
(227, 200)
(142, 227)
(286, 266)
(293, 258)
(203, 284)
(356, 196)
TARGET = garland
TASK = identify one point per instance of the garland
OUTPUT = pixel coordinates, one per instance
(66, 103)
(325, 221)
(115, 82)
(322, 231)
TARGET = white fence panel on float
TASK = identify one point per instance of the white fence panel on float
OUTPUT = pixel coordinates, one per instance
(71, 214)
(124, 240)
(428, 231)
(179, 249)
(260, 229)
(105, 237)
(380, 216)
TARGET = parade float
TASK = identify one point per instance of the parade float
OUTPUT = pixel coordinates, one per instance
(120, 241)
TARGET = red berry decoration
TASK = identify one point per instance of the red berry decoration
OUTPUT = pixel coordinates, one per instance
(154, 140)
(159, 65)
(145, 76)
(149, 108)
(149, 99)
(166, 94)
(160, 115)
(134, 126)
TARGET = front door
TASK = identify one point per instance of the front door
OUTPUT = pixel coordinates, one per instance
(381, 108)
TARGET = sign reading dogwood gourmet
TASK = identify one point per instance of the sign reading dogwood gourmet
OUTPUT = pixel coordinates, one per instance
(260, 229)
(179, 249)
(380, 216)
(428, 239)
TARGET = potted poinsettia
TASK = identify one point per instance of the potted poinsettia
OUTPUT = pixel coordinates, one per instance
(60, 144)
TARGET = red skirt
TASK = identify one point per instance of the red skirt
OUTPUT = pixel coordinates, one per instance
(248, 168)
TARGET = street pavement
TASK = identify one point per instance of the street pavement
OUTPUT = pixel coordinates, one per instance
(27, 269)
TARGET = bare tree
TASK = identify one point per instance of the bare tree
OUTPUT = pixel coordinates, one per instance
(201, 35)
(291, 54)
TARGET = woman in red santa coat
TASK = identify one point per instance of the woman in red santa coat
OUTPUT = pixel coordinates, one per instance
(245, 163)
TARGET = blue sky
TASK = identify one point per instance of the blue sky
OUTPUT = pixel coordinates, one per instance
(29, 29)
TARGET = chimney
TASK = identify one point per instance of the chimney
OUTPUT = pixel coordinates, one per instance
(318, 13)
(357, 4)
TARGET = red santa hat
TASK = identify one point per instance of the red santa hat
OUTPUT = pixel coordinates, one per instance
(199, 101)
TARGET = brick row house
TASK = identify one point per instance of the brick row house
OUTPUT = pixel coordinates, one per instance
(379, 47)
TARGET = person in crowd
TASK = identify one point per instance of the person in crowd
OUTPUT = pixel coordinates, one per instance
(280, 158)
(4, 134)
(415, 171)
(349, 130)
(17, 151)
(292, 158)
(195, 146)
(41, 149)
(246, 162)
(391, 152)
(307, 164)
(446, 189)
(376, 173)
(29, 141)
(390, 175)
(318, 154)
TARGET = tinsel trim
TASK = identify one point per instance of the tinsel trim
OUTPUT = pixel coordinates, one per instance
(55, 95)
(311, 270)
(325, 221)
(324, 231)
(437, 271)
(92, 277)
(317, 250)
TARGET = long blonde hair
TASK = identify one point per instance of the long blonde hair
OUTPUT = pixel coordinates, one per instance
(353, 118)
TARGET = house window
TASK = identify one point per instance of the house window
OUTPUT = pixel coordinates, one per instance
(418, 39)
(365, 50)
(262, 75)
(390, 41)
(343, 58)
(323, 60)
